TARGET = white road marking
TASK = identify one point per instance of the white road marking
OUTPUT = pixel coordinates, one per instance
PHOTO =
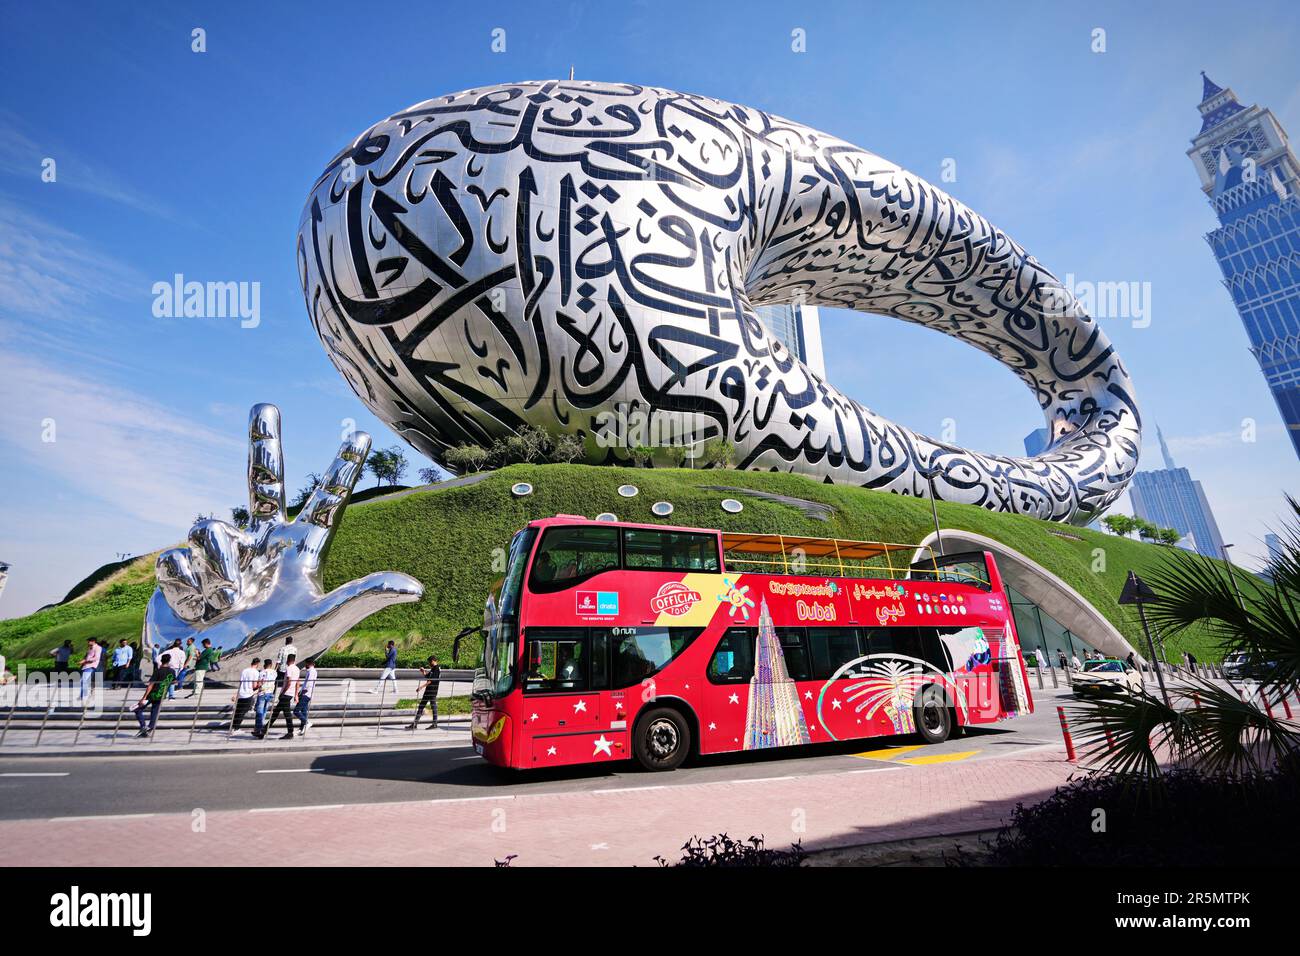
(296, 770)
(658, 786)
(105, 816)
(759, 779)
(33, 774)
(316, 806)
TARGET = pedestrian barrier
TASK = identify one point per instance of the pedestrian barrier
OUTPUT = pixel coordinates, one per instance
(53, 718)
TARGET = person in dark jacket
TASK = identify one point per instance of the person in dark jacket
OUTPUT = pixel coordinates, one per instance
(390, 670)
(429, 698)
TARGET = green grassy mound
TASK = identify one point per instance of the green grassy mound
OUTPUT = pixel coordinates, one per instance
(453, 540)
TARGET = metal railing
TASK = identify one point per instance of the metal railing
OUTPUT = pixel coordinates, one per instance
(49, 714)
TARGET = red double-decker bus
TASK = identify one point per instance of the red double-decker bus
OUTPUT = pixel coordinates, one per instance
(612, 640)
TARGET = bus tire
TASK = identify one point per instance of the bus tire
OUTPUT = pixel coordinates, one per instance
(933, 719)
(662, 739)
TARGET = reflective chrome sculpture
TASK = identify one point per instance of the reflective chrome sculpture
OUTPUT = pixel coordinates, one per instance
(553, 253)
(247, 591)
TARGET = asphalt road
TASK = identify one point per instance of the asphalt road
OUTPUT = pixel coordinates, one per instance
(83, 786)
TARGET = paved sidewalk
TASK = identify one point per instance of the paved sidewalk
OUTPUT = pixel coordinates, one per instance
(619, 826)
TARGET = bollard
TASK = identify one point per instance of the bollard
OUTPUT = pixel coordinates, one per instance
(1055, 684)
(1065, 732)
(1268, 707)
(1196, 699)
(1286, 706)
(1110, 741)
(1038, 666)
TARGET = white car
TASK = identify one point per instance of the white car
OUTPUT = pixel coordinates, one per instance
(1107, 676)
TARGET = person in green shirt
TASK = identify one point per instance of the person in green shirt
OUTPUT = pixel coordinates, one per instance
(153, 697)
(207, 657)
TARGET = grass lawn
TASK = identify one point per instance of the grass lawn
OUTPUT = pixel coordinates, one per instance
(446, 705)
(454, 541)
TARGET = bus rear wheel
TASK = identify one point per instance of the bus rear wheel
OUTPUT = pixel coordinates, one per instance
(933, 719)
(662, 739)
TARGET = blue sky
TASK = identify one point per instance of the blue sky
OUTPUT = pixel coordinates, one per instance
(170, 161)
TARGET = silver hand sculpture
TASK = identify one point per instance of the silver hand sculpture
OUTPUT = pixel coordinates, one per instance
(247, 591)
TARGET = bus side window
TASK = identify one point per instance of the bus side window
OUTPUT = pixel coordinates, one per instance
(832, 648)
(556, 660)
(733, 660)
(795, 652)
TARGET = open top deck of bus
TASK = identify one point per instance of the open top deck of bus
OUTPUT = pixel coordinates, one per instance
(767, 553)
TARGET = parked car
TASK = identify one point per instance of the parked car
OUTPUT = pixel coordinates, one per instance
(1239, 666)
(1107, 676)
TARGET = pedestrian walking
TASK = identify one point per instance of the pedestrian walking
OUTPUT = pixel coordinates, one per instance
(429, 698)
(151, 701)
(281, 659)
(174, 658)
(207, 657)
(246, 693)
(191, 658)
(62, 654)
(390, 669)
(122, 664)
(90, 664)
(305, 692)
(265, 695)
(1074, 662)
(1060, 660)
(288, 693)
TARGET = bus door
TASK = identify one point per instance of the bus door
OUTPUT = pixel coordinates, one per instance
(564, 671)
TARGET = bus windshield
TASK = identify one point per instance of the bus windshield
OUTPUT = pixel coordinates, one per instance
(501, 621)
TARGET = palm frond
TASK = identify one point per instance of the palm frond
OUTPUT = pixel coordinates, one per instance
(1235, 733)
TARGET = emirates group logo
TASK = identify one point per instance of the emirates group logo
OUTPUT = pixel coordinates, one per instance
(674, 598)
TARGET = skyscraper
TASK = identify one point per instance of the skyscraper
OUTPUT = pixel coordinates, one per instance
(1170, 498)
(774, 715)
(1036, 441)
(800, 328)
(1251, 176)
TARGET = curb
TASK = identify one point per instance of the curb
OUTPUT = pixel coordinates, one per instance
(282, 748)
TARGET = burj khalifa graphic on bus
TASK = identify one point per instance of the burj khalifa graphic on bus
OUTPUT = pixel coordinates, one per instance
(774, 717)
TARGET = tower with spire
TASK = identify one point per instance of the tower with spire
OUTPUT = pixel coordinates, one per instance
(1251, 176)
(1170, 497)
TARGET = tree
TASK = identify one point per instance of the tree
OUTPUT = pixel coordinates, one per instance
(1121, 525)
(676, 455)
(388, 465)
(240, 517)
(1206, 726)
(466, 458)
(429, 475)
(642, 455)
(1170, 536)
(567, 449)
(719, 453)
(1146, 530)
(313, 482)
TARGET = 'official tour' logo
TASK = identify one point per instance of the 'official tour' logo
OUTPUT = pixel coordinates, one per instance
(674, 598)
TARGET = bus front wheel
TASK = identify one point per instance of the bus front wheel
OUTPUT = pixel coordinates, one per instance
(662, 739)
(933, 719)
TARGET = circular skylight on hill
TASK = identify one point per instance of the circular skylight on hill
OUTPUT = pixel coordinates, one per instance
(606, 516)
(628, 491)
(732, 506)
(520, 489)
(662, 508)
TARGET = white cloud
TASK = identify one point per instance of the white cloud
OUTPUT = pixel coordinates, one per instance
(113, 448)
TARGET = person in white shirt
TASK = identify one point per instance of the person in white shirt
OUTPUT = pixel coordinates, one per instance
(286, 652)
(288, 694)
(304, 697)
(245, 693)
(265, 694)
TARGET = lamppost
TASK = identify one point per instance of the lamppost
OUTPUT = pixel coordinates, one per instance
(1241, 603)
(1136, 591)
